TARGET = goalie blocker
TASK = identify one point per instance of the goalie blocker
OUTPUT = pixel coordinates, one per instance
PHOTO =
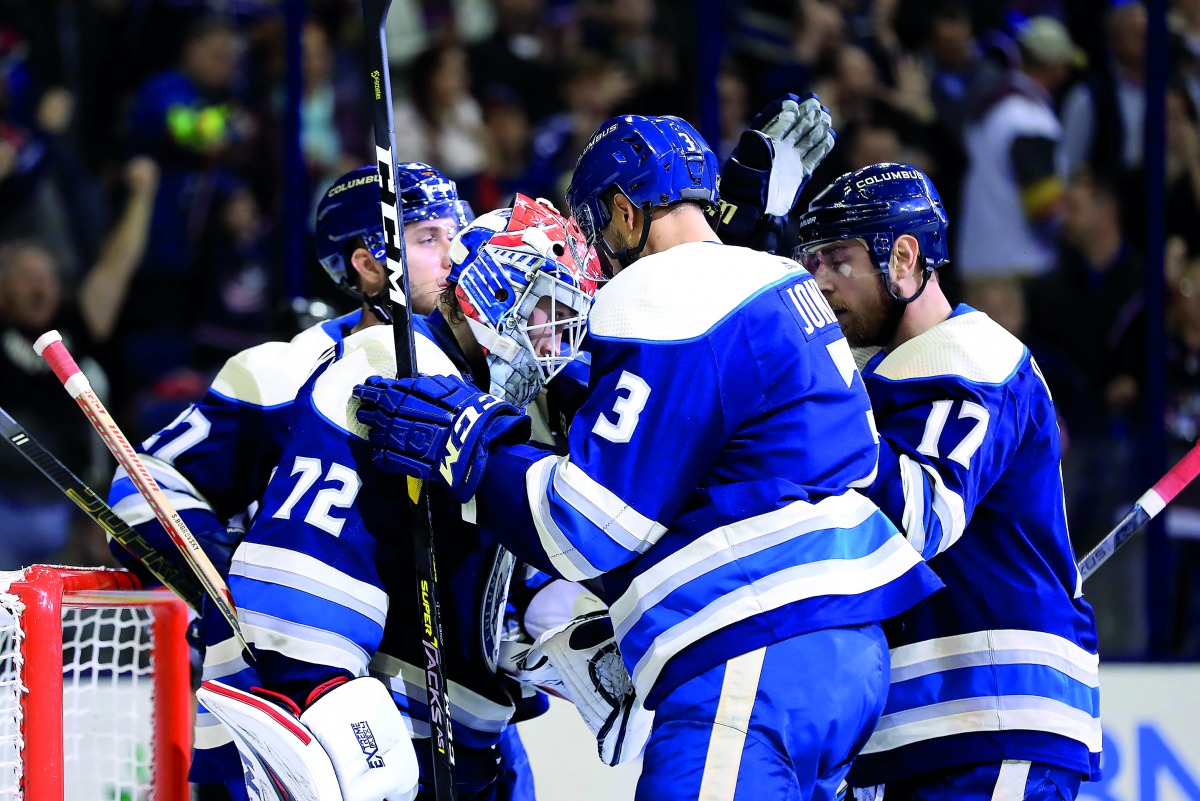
(350, 744)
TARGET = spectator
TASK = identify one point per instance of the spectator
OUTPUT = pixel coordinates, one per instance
(1102, 116)
(240, 284)
(1090, 303)
(188, 119)
(518, 55)
(36, 519)
(1013, 192)
(593, 88)
(441, 122)
(1182, 167)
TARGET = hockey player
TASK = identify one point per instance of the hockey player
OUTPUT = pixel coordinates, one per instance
(213, 461)
(994, 685)
(316, 571)
(710, 480)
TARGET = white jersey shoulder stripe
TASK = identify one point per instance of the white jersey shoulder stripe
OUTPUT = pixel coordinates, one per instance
(970, 346)
(369, 352)
(684, 292)
(272, 373)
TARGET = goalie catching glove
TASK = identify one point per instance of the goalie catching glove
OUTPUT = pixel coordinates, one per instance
(579, 661)
(773, 160)
(350, 744)
(437, 426)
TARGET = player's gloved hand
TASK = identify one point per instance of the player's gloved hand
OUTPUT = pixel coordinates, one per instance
(772, 162)
(437, 426)
(579, 661)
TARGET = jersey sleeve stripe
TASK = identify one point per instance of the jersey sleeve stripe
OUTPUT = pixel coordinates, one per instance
(209, 732)
(563, 555)
(135, 510)
(316, 646)
(925, 492)
(224, 659)
(836, 577)
(310, 575)
(604, 510)
(738, 540)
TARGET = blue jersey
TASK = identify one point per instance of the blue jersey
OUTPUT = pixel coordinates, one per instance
(212, 462)
(327, 558)
(1002, 663)
(711, 471)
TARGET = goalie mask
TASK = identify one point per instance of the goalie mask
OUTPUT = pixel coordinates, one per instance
(351, 208)
(525, 278)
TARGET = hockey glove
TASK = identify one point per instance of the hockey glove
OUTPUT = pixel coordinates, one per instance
(437, 426)
(773, 160)
(579, 661)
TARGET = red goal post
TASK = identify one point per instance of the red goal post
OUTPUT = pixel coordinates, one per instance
(95, 692)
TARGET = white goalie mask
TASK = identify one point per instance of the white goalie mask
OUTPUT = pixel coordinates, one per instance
(525, 279)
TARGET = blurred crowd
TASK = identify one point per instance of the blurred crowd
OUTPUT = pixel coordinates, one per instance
(143, 203)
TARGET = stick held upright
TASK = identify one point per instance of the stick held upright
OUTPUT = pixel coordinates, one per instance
(418, 513)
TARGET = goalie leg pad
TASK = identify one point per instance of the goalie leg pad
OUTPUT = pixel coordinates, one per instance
(366, 740)
(580, 661)
(281, 758)
(350, 745)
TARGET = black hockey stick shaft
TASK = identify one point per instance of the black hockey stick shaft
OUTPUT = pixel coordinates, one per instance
(1147, 507)
(179, 581)
(419, 511)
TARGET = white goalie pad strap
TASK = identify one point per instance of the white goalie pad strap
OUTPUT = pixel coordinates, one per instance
(366, 740)
(580, 662)
(557, 604)
(281, 758)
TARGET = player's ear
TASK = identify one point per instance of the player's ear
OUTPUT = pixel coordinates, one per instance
(369, 270)
(625, 211)
(904, 257)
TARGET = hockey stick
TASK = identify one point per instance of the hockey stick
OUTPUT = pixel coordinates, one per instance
(50, 347)
(1147, 507)
(182, 584)
(419, 511)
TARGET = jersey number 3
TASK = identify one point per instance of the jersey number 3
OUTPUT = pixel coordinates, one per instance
(627, 408)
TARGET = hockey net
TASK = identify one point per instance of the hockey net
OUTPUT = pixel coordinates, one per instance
(95, 697)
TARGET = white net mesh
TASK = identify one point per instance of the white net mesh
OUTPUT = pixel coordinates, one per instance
(11, 688)
(108, 704)
(108, 707)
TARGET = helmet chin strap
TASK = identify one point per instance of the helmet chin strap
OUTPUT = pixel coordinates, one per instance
(377, 302)
(627, 256)
(895, 310)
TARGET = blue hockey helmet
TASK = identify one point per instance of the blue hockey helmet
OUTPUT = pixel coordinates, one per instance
(653, 161)
(506, 263)
(877, 204)
(350, 208)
